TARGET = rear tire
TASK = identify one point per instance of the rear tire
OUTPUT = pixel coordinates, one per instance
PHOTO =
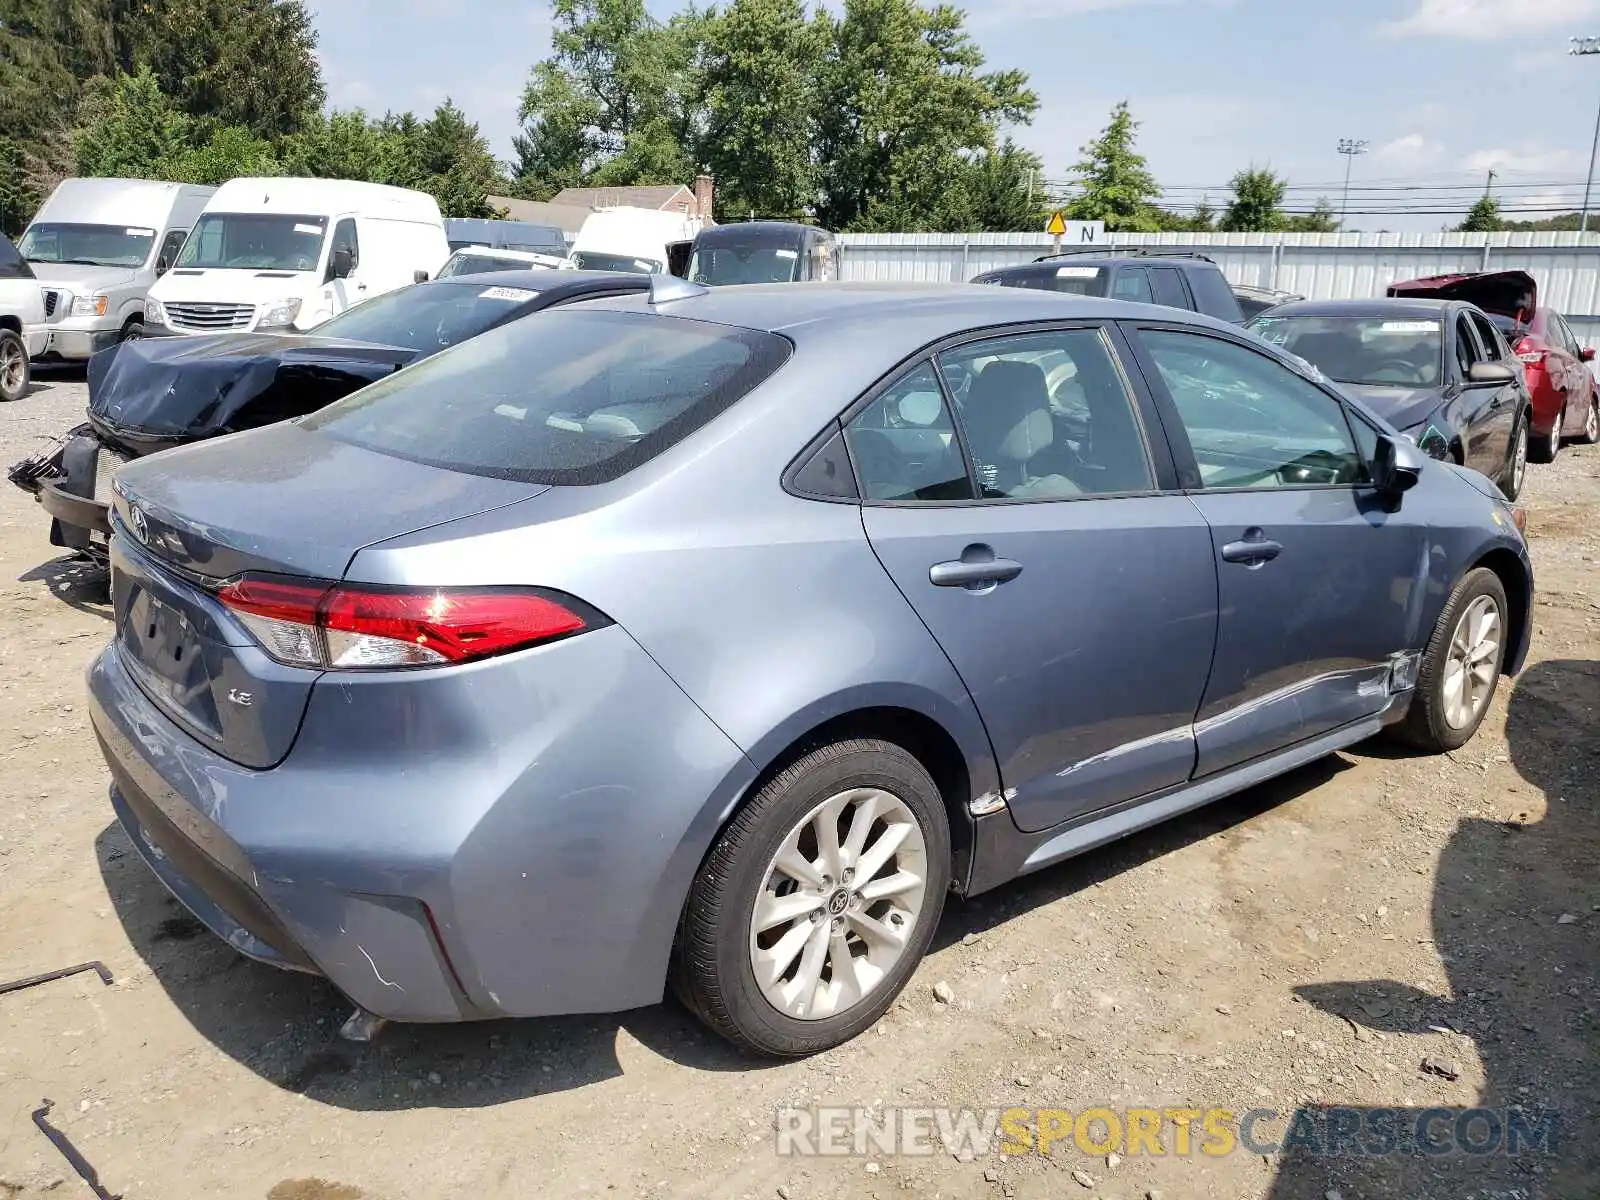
(1461, 666)
(15, 372)
(1591, 427)
(838, 945)
(1545, 449)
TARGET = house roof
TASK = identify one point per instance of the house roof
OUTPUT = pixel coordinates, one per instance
(662, 197)
(568, 218)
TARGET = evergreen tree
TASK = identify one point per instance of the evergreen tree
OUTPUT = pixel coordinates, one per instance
(1116, 181)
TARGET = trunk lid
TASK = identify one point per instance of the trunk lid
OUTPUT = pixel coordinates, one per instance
(169, 390)
(1512, 294)
(279, 500)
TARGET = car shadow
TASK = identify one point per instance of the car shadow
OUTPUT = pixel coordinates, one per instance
(283, 1026)
(984, 912)
(1514, 908)
(76, 582)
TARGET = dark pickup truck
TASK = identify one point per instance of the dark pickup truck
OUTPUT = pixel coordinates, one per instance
(1175, 280)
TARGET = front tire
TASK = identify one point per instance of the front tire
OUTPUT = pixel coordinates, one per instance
(133, 331)
(15, 372)
(1516, 470)
(1461, 666)
(817, 902)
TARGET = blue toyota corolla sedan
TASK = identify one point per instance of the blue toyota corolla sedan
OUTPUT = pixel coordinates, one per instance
(708, 640)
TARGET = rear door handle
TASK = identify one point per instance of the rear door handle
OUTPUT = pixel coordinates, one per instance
(976, 568)
(1253, 551)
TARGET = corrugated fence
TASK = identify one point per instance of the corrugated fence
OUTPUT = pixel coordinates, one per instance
(1323, 266)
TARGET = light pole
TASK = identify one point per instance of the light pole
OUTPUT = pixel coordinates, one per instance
(1582, 47)
(1349, 147)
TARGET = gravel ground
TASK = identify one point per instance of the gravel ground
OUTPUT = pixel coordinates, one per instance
(1309, 943)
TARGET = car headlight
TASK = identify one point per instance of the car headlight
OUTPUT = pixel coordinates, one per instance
(154, 312)
(90, 306)
(280, 313)
(1431, 442)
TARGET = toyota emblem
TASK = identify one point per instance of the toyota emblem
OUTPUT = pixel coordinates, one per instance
(136, 523)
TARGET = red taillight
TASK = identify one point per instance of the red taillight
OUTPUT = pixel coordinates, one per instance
(1530, 352)
(314, 624)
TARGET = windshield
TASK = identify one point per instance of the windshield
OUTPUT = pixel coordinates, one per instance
(1377, 351)
(720, 265)
(593, 260)
(427, 316)
(255, 241)
(90, 245)
(573, 397)
(476, 264)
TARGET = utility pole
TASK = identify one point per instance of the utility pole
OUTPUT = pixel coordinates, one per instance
(1488, 187)
(1349, 147)
(1583, 47)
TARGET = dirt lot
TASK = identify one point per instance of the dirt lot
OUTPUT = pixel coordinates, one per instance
(1309, 943)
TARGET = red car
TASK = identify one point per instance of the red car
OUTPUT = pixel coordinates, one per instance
(1566, 404)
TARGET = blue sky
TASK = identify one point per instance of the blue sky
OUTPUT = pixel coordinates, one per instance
(1443, 90)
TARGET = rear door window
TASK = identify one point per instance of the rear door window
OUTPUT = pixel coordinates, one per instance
(1132, 284)
(1212, 293)
(575, 397)
(1167, 283)
(904, 444)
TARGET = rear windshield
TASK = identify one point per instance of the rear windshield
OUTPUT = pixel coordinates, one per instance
(427, 316)
(1075, 281)
(465, 263)
(569, 398)
(595, 260)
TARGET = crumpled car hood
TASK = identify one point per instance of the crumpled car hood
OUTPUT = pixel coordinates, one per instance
(186, 388)
(1401, 406)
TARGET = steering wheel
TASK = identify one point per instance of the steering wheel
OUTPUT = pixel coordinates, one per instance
(1408, 368)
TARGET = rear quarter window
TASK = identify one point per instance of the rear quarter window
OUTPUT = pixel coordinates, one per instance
(566, 398)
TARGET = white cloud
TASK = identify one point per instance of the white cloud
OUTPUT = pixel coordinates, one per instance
(1409, 152)
(1528, 160)
(1490, 19)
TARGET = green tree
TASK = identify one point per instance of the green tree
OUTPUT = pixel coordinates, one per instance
(129, 127)
(18, 195)
(1321, 219)
(758, 86)
(232, 152)
(1484, 217)
(615, 94)
(1257, 202)
(342, 145)
(455, 162)
(902, 100)
(997, 191)
(249, 63)
(1118, 187)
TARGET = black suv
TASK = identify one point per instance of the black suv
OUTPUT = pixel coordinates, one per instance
(1175, 280)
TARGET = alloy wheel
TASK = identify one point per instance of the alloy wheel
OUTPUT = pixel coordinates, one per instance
(1591, 427)
(1473, 663)
(13, 366)
(1519, 459)
(839, 903)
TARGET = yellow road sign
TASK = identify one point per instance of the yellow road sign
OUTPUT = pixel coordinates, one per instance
(1057, 226)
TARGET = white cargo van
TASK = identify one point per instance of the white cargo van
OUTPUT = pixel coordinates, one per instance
(629, 239)
(97, 246)
(287, 254)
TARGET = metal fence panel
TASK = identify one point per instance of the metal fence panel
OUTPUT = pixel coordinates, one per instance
(1321, 266)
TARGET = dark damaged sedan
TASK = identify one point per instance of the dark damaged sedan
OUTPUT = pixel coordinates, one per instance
(152, 395)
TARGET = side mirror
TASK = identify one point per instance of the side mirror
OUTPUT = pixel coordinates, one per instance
(1587, 354)
(419, 277)
(343, 262)
(1396, 466)
(1485, 374)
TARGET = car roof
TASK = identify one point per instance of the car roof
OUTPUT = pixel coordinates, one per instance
(1102, 260)
(926, 311)
(1365, 308)
(547, 280)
